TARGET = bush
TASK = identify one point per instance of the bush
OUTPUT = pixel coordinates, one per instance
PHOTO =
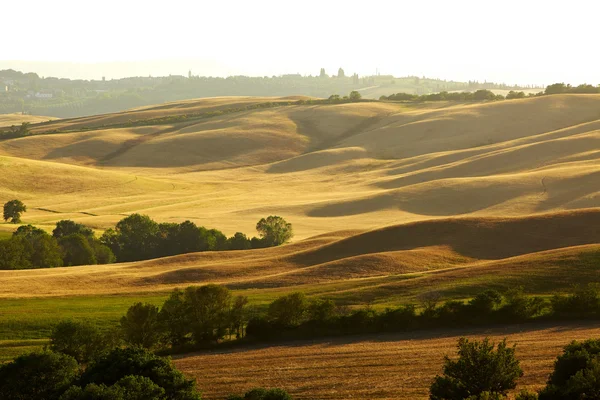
(263, 394)
(141, 327)
(130, 387)
(526, 395)
(44, 375)
(479, 368)
(576, 373)
(120, 363)
(80, 340)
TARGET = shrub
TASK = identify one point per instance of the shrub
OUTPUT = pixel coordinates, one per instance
(263, 394)
(43, 375)
(479, 368)
(130, 387)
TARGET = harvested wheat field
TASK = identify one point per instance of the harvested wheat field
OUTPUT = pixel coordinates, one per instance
(389, 366)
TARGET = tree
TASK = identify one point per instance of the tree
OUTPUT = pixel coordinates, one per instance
(120, 363)
(43, 375)
(237, 315)
(486, 302)
(141, 327)
(355, 96)
(13, 210)
(274, 230)
(479, 368)
(43, 250)
(14, 254)
(80, 340)
(131, 387)
(576, 373)
(288, 310)
(77, 250)
(173, 318)
(136, 236)
(67, 227)
(263, 394)
(207, 310)
(238, 241)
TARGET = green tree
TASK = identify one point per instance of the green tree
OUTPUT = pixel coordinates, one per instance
(238, 241)
(207, 309)
(274, 230)
(576, 373)
(480, 368)
(77, 250)
(136, 236)
(173, 318)
(288, 310)
(141, 327)
(80, 340)
(67, 227)
(355, 96)
(41, 375)
(43, 249)
(120, 363)
(14, 254)
(13, 210)
(237, 315)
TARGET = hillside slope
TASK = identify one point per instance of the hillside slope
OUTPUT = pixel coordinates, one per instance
(551, 251)
(329, 167)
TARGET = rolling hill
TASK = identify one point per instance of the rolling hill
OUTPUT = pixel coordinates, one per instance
(324, 167)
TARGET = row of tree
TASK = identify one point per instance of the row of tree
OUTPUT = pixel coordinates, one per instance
(488, 95)
(136, 237)
(201, 316)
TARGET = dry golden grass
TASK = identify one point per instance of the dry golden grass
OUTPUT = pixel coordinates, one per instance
(399, 262)
(387, 366)
(18, 119)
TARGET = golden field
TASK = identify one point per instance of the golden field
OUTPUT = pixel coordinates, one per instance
(387, 366)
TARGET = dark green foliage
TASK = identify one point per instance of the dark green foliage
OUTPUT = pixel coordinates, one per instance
(515, 95)
(28, 232)
(486, 302)
(141, 327)
(479, 95)
(43, 375)
(137, 238)
(288, 310)
(320, 310)
(120, 363)
(584, 301)
(520, 307)
(239, 241)
(14, 254)
(237, 316)
(13, 210)
(274, 230)
(131, 387)
(173, 318)
(80, 340)
(207, 312)
(480, 367)
(103, 253)
(45, 251)
(77, 250)
(576, 373)
(67, 227)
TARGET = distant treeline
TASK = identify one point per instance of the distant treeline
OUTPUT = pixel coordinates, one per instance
(203, 316)
(30, 93)
(484, 94)
(136, 237)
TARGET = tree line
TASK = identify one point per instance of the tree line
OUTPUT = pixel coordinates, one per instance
(136, 237)
(488, 95)
(204, 316)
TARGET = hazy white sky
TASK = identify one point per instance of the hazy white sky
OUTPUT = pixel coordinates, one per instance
(523, 41)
